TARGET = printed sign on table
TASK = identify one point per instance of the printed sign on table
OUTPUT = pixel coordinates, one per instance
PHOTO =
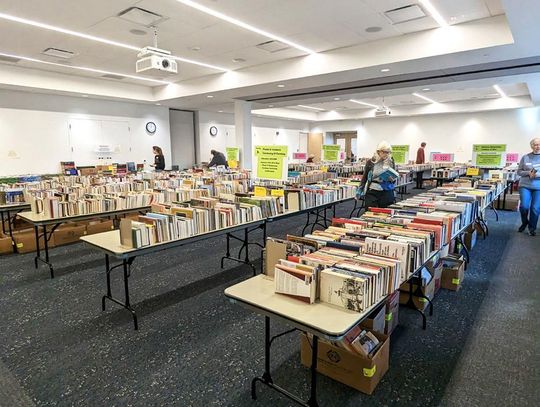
(272, 162)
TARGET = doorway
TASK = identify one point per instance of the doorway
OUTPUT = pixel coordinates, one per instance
(347, 141)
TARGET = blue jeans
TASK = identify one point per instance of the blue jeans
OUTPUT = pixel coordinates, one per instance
(529, 206)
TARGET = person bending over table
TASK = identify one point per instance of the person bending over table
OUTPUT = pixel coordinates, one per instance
(378, 193)
(529, 188)
(218, 159)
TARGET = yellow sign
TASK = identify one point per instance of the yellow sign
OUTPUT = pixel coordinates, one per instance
(277, 192)
(232, 163)
(271, 162)
(324, 168)
(370, 372)
(473, 172)
(260, 191)
(455, 281)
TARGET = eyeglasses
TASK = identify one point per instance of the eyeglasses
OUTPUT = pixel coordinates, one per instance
(384, 151)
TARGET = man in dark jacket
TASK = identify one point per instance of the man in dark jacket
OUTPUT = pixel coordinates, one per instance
(218, 159)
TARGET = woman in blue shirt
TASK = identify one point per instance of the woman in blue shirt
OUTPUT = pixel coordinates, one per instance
(529, 188)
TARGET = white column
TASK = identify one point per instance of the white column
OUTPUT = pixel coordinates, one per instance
(243, 132)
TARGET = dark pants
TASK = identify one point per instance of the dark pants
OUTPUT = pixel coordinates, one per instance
(529, 207)
(379, 199)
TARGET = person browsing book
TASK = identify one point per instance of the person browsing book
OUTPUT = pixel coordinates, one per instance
(218, 159)
(421, 154)
(529, 188)
(159, 159)
(380, 175)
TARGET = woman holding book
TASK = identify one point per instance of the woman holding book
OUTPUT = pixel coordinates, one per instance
(159, 159)
(529, 188)
(380, 175)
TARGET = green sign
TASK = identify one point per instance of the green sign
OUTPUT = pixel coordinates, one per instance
(330, 152)
(232, 153)
(400, 153)
(488, 159)
(270, 161)
(485, 148)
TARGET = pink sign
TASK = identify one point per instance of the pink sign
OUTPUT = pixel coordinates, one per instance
(512, 157)
(342, 155)
(299, 156)
(442, 157)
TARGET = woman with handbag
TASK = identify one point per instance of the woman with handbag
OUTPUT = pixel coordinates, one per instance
(378, 181)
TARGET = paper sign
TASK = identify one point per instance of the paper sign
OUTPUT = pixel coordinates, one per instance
(473, 172)
(442, 157)
(232, 153)
(512, 157)
(484, 148)
(400, 153)
(299, 156)
(455, 281)
(324, 168)
(342, 155)
(491, 159)
(277, 192)
(271, 162)
(388, 316)
(260, 191)
(232, 163)
(370, 372)
(330, 152)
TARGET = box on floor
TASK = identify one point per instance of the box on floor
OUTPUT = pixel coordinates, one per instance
(427, 288)
(453, 272)
(354, 370)
(6, 244)
(435, 268)
(69, 233)
(391, 309)
(375, 321)
(469, 239)
(99, 226)
(25, 241)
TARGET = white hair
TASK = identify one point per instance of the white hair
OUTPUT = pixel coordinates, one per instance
(384, 146)
(534, 140)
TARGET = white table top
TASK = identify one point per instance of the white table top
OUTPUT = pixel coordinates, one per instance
(320, 319)
(40, 218)
(11, 206)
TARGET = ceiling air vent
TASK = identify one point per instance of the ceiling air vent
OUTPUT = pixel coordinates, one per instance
(112, 76)
(272, 46)
(404, 14)
(141, 16)
(5, 58)
(58, 53)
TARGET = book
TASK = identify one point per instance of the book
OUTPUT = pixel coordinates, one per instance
(296, 281)
(343, 289)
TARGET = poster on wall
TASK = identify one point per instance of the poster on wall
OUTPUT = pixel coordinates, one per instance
(489, 155)
(330, 152)
(400, 154)
(512, 158)
(442, 157)
(271, 162)
(233, 156)
(300, 156)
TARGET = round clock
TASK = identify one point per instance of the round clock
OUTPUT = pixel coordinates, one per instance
(151, 127)
(213, 131)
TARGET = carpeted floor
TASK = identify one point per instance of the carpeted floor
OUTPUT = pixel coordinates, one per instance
(194, 348)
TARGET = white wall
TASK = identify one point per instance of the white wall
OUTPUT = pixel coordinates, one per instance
(264, 132)
(182, 138)
(36, 127)
(447, 133)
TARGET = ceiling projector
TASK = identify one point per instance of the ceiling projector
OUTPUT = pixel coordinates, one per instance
(155, 59)
(383, 112)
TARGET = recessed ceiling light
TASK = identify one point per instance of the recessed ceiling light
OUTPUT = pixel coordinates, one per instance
(220, 111)
(434, 13)
(210, 96)
(195, 48)
(385, 70)
(84, 96)
(237, 60)
(426, 89)
(82, 68)
(311, 107)
(158, 104)
(270, 105)
(136, 31)
(242, 24)
(97, 39)
(499, 91)
(363, 103)
(418, 95)
(373, 29)
(336, 98)
(280, 86)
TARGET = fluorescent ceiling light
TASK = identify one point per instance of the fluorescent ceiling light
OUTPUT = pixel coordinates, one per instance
(363, 103)
(82, 68)
(97, 39)
(434, 13)
(385, 70)
(242, 24)
(418, 95)
(499, 91)
(311, 107)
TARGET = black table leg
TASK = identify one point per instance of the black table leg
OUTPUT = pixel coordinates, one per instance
(126, 265)
(38, 254)
(3, 224)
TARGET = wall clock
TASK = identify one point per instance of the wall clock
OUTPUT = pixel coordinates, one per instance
(151, 127)
(213, 131)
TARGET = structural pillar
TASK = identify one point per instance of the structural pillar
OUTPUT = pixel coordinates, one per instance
(243, 132)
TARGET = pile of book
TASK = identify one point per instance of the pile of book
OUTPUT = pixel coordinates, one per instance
(314, 195)
(11, 195)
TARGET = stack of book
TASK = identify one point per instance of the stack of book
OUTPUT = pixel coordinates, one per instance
(11, 195)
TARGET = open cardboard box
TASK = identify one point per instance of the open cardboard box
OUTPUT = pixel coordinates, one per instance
(453, 272)
(352, 369)
(6, 244)
(391, 309)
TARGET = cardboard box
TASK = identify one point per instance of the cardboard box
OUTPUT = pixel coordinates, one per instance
(99, 226)
(6, 244)
(375, 321)
(25, 241)
(354, 370)
(69, 233)
(435, 268)
(391, 312)
(427, 289)
(470, 239)
(453, 272)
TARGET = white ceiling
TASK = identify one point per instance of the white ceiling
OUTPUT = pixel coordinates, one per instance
(321, 25)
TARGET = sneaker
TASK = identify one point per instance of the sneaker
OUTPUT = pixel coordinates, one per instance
(522, 227)
(532, 232)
